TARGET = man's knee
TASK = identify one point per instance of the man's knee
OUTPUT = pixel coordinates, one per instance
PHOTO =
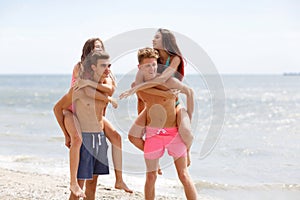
(183, 176)
(91, 185)
(151, 177)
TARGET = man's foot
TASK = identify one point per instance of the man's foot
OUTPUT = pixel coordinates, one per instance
(77, 191)
(159, 172)
(122, 186)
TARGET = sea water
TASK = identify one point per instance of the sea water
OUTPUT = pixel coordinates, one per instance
(257, 155)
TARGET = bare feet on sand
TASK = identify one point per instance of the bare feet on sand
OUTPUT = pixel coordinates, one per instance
(77, 191)
(122, 186)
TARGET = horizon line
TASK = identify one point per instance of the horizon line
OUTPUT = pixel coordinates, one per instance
(121, 74)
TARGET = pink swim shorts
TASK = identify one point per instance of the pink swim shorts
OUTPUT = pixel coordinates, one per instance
(159, 139)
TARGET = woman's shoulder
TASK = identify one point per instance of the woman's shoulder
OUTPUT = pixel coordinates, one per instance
(176, 58)
(76, 68)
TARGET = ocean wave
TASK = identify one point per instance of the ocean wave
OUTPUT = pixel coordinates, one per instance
(56, 138)
(18, 158)
(268, 186)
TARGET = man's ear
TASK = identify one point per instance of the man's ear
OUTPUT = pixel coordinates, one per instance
(139, 66)
(94, 67)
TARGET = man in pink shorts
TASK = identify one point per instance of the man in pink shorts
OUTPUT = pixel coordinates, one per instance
(158, 120)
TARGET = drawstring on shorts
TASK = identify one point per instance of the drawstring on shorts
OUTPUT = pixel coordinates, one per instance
(99, 139)
(161, 130)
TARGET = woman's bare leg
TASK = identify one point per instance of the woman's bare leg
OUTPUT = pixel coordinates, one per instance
(185, 130)
(115, 139)
(73, 128)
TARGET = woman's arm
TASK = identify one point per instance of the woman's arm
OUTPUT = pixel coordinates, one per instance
(146, 85)
(169, 71)
(162, 93)
(184, 89)
(106, 87)
(156, 81)
(95, 94)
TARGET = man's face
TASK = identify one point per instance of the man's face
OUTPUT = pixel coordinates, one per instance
(149, 68)
(102, 69)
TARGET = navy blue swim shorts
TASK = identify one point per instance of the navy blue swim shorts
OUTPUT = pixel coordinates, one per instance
(93, 156)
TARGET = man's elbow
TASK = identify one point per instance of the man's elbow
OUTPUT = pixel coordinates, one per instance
(111, 91)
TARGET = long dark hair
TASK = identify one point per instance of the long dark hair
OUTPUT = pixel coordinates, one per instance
(89, 46)
(87, 50)
(170, 46)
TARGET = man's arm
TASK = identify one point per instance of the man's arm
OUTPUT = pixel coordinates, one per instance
(95, 94)
(176, 84)
(110, 83)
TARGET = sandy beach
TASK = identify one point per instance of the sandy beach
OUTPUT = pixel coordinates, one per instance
(18, 185)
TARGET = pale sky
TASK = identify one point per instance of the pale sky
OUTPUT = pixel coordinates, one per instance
(240, 37)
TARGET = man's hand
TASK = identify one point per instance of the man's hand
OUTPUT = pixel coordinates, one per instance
(113, 102)
(81, 83)
(68, 141)
(127, 93)
(175, 91)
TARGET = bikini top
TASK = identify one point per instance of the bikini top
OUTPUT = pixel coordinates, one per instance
(168, 61)
(162, 67)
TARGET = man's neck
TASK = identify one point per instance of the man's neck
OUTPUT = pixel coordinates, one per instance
(98, 79)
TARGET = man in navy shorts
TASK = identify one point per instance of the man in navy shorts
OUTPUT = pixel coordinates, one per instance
(89, 105)
(89, 110)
